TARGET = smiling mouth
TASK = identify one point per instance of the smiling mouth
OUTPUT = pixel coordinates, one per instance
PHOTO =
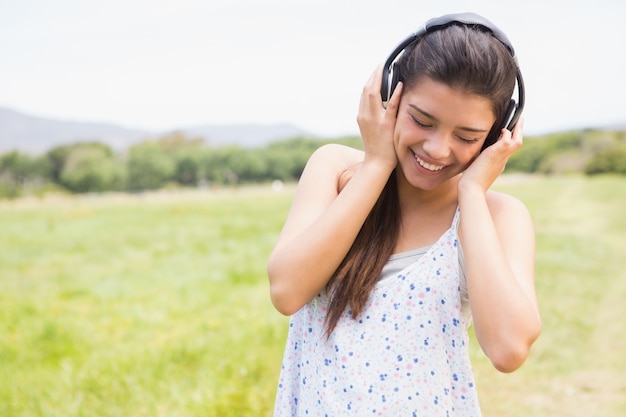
(426, 165)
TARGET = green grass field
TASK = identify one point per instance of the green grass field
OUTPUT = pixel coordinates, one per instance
(158, 305)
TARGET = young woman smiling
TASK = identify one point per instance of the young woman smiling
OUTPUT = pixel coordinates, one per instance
(388, 254)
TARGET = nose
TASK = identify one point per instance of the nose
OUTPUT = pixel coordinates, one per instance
(437, 145)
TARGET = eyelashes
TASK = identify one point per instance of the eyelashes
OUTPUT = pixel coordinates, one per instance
(423, 125)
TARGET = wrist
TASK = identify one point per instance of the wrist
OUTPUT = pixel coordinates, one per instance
(378, 167)
(383, 163)
(470, 189)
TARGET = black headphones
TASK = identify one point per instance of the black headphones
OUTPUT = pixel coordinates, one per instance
(391, 76)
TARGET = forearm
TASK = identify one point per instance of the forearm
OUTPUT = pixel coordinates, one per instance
(505, 315)
(301, 266)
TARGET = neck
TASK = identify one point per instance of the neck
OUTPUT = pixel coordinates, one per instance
(439, 198)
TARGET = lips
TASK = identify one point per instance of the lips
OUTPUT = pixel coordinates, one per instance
(428, 166)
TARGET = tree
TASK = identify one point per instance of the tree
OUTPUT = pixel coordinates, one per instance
(248, 165)
(287, 159)
(218, 165)
(91, 169)
(608, 160)
(528, 158)
(173, 157)
(57, 156)
(12, 167)
(187, 170)
(149, 167)
(19, 171)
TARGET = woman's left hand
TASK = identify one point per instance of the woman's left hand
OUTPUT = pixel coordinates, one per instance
(490, 163)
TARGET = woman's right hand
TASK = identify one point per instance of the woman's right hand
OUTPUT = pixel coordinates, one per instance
(377, 123)
(325, 218)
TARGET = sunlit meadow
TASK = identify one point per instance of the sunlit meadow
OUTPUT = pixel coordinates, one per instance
(158, 305)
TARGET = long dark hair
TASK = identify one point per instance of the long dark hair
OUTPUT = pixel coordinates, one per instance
(467, 58)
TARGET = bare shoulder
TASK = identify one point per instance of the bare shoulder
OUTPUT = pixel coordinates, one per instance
(329, 165)
(336, 156)
(505, 207)
(322, 175)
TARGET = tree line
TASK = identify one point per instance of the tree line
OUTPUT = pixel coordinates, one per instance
(178, 161)
(173, 160)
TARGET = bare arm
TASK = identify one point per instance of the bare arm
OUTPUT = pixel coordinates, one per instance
(320, 229)
(323, 222)
(497, 237)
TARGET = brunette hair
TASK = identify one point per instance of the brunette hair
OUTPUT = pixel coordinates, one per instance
(465, 57)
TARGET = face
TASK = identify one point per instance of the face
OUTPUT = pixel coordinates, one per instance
(439, 132)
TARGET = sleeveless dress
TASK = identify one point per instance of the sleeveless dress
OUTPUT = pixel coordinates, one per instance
(406, 354)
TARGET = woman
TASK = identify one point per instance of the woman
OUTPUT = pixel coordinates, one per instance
(387, 254)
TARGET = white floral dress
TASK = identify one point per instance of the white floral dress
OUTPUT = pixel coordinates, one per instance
(406, 355)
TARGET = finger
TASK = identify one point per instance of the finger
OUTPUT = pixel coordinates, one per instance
(505, 134)
(518, 131)
(370, 105)
(377, 76)
(512, 139)
(394, 101)
(372, 87)
(375, 80)
(365, 93)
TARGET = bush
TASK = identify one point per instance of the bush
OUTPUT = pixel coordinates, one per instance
(91, 169)
(149, 167)
(19, 172)
(608, 160)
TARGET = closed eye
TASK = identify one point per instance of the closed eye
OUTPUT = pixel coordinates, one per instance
(464, 129)
(423, 125)
(420, 123)
(466, 140)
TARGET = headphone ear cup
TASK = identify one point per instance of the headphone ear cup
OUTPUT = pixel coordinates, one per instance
(395, 78)
(494, 134)
(384, 86)
(508, 115)
(390, 80)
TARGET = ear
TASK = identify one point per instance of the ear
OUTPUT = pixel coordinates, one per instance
(500, 124)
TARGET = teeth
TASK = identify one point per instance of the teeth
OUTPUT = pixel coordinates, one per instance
(428, 166)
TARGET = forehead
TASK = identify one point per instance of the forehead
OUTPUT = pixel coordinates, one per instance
(444, 102)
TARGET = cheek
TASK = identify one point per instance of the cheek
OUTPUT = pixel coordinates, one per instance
(402, 141)
(404, 131)
(471, 157)
(399, 134)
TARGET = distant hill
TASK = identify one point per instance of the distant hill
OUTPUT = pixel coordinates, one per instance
(248, 134)
(36, 134)
(31, 134)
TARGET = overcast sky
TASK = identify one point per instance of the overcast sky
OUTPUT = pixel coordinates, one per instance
(167, 64)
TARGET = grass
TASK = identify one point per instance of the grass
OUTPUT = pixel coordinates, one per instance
(138, 306)
(577, 366)
(157, 304)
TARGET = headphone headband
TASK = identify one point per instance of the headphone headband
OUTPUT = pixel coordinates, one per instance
(390, 79)
(468, 19)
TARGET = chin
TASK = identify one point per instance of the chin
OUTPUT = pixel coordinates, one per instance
(418, 177)
(424, 183)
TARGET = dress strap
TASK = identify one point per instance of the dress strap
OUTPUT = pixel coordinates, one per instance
(455, 220)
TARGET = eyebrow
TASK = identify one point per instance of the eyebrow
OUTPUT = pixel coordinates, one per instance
(464, 128)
